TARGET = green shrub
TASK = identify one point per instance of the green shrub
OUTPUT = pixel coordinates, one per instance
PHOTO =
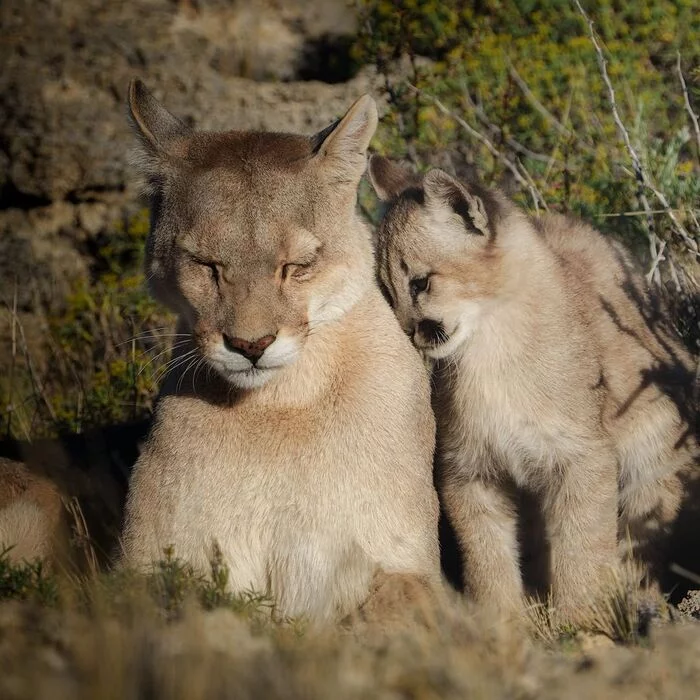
(525, 75)
(108, 346)
(26, 581)
(172, 585)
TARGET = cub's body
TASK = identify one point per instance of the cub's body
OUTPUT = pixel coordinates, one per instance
(571, 378)
(556, 374)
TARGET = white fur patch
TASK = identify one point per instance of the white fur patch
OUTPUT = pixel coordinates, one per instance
(284, 351)
(249, 379)
(239, 371)
(333, 307)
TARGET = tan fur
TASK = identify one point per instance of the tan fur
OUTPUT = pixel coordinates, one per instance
(68, 494)
(313, 468)
(32, 518)
(555, 375)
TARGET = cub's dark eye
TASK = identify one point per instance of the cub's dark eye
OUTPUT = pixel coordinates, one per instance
(418, 285)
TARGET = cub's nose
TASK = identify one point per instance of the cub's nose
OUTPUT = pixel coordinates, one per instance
(250, 349)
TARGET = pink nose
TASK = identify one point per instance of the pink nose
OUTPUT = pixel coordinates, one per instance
(250, 349)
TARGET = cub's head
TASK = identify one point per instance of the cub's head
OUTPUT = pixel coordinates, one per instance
(439, 262)
(254, 237)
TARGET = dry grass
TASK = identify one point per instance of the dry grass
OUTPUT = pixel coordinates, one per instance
(176, 635)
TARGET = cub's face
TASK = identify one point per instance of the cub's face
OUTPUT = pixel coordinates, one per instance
(253, 239)
(437, 261)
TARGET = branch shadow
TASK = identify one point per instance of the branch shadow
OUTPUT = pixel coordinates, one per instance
(673, 372)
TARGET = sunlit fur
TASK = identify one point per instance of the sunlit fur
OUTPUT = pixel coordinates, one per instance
(558, 377)
(311, 468)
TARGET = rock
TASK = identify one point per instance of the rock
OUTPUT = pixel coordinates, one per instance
(64, 172)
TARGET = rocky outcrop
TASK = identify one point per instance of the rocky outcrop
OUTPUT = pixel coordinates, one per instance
(64, 139)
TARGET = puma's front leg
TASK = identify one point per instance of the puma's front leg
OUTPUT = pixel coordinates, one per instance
(581, 522)
(484, 518)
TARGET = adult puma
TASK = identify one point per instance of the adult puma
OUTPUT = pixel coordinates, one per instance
(295, 431)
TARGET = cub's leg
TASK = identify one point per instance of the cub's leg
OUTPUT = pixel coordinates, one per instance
(485, 521)
(657, 455)
(648, 512)
(581, 520)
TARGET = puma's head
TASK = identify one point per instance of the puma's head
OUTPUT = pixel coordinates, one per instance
(438, 253)
(254, 237)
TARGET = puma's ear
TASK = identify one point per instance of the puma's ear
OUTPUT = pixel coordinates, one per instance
(445, 195)
(162, 135)
(390, 179)
(341, 149)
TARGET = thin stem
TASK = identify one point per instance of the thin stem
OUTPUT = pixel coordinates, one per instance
(523, 178)
(686, 99)
(640, 174)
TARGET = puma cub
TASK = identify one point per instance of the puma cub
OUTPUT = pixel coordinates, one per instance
(554, 376)
(294, 430)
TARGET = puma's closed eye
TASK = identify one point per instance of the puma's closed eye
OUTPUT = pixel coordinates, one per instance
(212, 266)
(296, 269)
(418, 285)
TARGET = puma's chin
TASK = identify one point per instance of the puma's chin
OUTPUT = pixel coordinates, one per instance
(252, 378)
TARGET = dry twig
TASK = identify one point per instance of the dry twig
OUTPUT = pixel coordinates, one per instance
(538, 106)
(36, 383)
(521, 175)
(81, 534)
(499, 132)
(652, 275)
(686, 99)
(681, 571)
(13, 361)
(641, 176)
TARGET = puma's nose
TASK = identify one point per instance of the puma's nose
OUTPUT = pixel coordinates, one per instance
(250, 349)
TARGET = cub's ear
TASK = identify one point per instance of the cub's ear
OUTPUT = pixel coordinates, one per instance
(445, 195)
(342, 147)
(162, 136)
(390, 179)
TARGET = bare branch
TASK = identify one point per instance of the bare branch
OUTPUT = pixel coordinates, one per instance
(539, 107)
(498, 131)
(674, 274)
(642, 179)
(644, 213)
(522, 178)
(657, 256)
(686, 99)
